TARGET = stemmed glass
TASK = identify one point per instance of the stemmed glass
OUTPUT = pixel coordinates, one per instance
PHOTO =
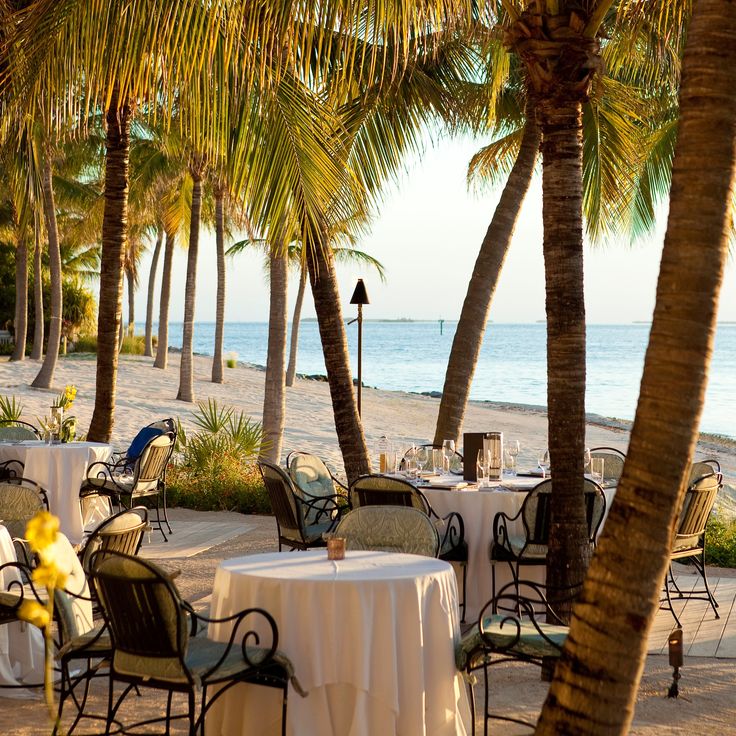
(544, 463)
(586, 458)
(482, 468)
(597, 469)
(410, 461)
(422, 458)
(512, 448)
(448, 452)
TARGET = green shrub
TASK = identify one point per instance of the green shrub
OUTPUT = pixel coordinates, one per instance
(135, 345)
(720, 542)
(11, 410)
(86, 344)
(215, 467)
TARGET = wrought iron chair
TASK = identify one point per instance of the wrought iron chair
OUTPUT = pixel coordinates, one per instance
(301, 518)
(311, 475)
(11, 469)
(531, 546)
(17, 430)
(701, 468)
(689, 540)
(389, 529)
(146, 480)
(382, 490)
(141, 439)
(152, 629)
(20, 500)
(122, 532)
(518, 624)
(613, 463)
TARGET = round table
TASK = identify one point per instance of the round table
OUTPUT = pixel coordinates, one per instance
(478, 508)
(371, 638)
(59, 470)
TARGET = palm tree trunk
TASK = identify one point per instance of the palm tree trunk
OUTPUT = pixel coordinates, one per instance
(471, 326)
(217, 376)
(114, 236)
(162, 346)
(20, 322)
(186, 383)
(595, 683)
(45, 376)
(562, 180)
(131, 305)
(37, 351)
(291, 369)
(151, 288)
(321, 265)
(274, 394)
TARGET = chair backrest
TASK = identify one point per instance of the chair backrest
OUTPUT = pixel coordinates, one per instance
(310, 474)
(281, 492)
(613, 462)
(536, 511)
(696, 508)
(151, 464)
(74, 606)
(382, 490)
(144, 612)
(701, 468)
(122, 533)
(18, 431)
(389, 529)
(11, 469)
(20, 500)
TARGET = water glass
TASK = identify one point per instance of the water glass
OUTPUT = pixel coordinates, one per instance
(410, 462)
(597, 467)
(422, 457)
(509, 462)
(544, 463)
(482, 465)
(448, 452)
(437, 461)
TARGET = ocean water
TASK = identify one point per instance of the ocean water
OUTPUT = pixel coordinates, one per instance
(412, 356)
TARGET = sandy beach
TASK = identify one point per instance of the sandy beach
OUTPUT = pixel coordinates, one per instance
(145, 394)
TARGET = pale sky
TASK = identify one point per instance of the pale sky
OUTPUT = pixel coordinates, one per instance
(427, 235)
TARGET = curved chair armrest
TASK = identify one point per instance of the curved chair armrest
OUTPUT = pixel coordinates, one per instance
(23, 583)
(454, 535)
(326, 507)
(500, 529)
(100, 472)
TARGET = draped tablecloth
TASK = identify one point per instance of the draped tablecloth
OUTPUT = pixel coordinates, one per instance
(478, 509)
(60, 470)
(21, 644)
(371, 638)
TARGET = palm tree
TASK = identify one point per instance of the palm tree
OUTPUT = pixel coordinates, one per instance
(217, 376)
(151, 287)
(162, 343)
(37, 349)
(593, 692)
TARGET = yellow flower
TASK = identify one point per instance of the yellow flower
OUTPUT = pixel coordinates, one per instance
(34, 613)
(48, 575)
(41, 530)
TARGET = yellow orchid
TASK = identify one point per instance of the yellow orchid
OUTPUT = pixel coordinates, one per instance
(34, 613)
(41, 531)
(49, 575)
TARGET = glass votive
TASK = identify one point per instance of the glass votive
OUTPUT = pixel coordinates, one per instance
(336, 548)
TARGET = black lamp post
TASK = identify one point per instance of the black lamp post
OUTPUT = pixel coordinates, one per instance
(359, 297)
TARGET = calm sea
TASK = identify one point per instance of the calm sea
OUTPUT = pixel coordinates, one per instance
(412, 356)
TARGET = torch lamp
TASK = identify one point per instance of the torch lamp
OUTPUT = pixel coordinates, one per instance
(359, 297)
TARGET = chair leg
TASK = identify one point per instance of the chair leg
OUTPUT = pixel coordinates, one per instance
(669, 604)
(465, 589)
(486, 714)
(699, 563)
(166, 512)
(674, 583)
(283, 709)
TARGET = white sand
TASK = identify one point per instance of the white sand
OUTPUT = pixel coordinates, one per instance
(145, 394)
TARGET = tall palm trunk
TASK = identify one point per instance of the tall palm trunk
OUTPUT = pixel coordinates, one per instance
(45, 376)
(321, 264)
(562, 181)
(114, 237)
(37, 351)
(274, 394)
(594, 691)
(131, 304)
(294, 339)
(471, 326)
(20, 322)
(220, 307)
(151, 289)
(186, 383)
(162, 346)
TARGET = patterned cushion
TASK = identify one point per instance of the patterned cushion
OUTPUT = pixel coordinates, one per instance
(18, 504)
(389, 529)
(516, 543)
(311, 475)
(502, 635)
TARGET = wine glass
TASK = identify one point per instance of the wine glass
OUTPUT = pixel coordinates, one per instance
(482, 468)
(422, 458)
(544, 462)
(513, 447)
(448, 452)
(597, 466)
(410, 461)
(586, 458)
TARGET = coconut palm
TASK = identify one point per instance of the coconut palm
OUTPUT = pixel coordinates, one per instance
(217, 373)
(37, 349)
(593, 692)
(148, 350)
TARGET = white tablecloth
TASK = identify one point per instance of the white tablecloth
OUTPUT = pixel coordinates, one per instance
(21, 645)
(478, 509)
(60, 470)
(371, 637)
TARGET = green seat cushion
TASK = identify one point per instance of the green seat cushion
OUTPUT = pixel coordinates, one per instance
(516, 544)
(502, 636)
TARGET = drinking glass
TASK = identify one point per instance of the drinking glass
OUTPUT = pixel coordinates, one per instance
(597, 467)
(448, 451)
(410, 461)
(586, 458)
(513, 447)
(422, 458)
(437, 461)
(544, 463)
(509, 462)
(482, 467)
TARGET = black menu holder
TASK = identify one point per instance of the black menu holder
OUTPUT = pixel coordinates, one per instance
(472, 442)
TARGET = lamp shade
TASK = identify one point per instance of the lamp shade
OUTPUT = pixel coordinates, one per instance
(360, 295)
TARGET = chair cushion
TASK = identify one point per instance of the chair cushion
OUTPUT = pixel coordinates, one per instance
(504, 637)
(516, 543)
(92, 643)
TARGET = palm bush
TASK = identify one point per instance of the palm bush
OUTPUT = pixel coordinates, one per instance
(11, 409)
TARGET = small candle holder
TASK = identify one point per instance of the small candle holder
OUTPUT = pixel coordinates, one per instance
(336, 548)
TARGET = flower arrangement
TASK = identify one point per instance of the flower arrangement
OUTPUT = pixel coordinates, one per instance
(66, 398)
(41, 533)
